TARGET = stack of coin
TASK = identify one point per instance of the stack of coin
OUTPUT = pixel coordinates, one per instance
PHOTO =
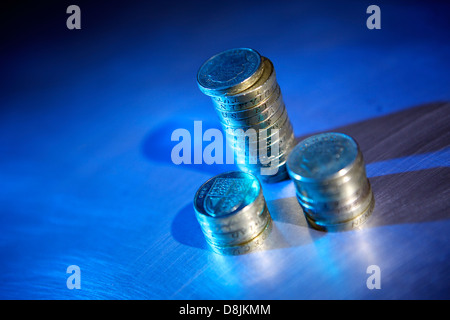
(232, 213)
(330, 178)
(243, 87)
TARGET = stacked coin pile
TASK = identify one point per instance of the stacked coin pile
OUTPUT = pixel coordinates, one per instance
(330, 178)
(248, 100)
(232, 213)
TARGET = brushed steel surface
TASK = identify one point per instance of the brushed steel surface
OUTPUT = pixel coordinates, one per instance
(86, 121)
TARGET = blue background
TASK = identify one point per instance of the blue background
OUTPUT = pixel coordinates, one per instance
(86, 176)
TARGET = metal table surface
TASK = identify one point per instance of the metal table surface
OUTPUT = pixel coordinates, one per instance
(85, 143)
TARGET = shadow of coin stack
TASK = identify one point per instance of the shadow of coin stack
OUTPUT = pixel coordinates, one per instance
(248, 100)
(232, 213)
(331, 184)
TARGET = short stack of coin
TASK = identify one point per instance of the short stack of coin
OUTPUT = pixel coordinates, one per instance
(232, 213)
(243, 87)
(330, 178)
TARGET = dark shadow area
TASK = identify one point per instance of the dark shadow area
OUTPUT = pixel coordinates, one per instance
(416, 130)
(287, 210)
(157, 145)
(411, 197)
(186, 230)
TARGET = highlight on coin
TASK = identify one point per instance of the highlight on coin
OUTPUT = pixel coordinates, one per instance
(232, 213)
(244, 91)
(330, 179)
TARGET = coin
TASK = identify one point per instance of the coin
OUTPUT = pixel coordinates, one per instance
(355, 222)
(253, 138)
(231, 209)
(267, 110)
(264, 155)
(259, 91)
(249, 246)
(241, 233)
(336, 212)
(345, 186)
(230, 72)
(248, 100)
(275, 123)
(263, 121)
(248, 143)
(233, 222)
(326, 204)
(322, 156)
(226, 194)
(330, 179)
(256, 109)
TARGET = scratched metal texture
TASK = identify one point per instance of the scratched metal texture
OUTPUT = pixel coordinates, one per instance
(85, 141)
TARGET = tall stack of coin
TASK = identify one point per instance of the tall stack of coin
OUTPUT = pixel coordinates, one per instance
(232, 213)
(243, 87)
(330, 178)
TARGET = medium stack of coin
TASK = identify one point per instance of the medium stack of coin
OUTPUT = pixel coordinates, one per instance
(243, 87)
(232, 213)
(331, 184)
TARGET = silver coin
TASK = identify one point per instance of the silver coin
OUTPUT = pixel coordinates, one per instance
(252, 146)
(254, 103)
(250, 112)
(257, 163)
(261, 136)
(249, 144)
(345, 187)
(322, 156)
(255, 244)
(336, 212)
(268, 109)
(230, 223)
(325, 203)
(266, 91)
(356, 222)
(273, 123)
(268, 118)
(330, 179)
(259, 91)
(226, 194)
(231, 209)
(243, 233)
(355, 169)
(267, 135)
(230, 72)
(257, 138)
(223, 231)
(264, 154)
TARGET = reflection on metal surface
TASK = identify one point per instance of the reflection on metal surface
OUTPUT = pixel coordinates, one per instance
(264, 264)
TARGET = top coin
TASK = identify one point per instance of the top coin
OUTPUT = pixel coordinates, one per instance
(322, 157)
(230, 72)
(226, 194)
